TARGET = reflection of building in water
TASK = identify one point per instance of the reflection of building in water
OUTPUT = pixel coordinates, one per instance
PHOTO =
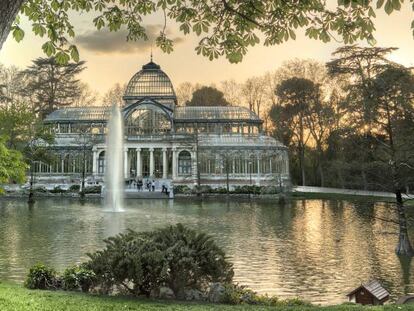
(163, 140)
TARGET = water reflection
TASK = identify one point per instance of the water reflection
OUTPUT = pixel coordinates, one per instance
(309, 248)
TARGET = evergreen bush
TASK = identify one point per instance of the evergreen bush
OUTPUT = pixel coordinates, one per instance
(176, 257)
(42, 277)
(74, 188)
(78, 278)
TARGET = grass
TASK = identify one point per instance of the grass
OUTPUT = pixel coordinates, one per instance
(14, 297)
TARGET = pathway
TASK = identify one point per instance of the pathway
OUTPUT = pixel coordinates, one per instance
(307, 189)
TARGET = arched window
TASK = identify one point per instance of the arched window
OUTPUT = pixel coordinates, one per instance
(101, 163)
(147, 120)
(184, 163)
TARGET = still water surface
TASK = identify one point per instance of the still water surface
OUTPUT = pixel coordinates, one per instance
(314, 249)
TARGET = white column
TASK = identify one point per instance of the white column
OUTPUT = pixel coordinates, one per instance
(63, 164)
(194, 166)
(126, 163)
(94, 161)
(270, 165)
(139, 163)
(164, 163)
(258, 170)
(151, 172)
(174, 164)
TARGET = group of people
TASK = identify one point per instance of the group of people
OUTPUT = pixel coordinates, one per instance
(149, 184)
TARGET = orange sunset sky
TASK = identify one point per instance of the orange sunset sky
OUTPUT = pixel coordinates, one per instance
(110, 59)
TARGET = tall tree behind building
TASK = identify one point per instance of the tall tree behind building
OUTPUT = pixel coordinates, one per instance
(208, 96)
(50, 85)
(114, 95)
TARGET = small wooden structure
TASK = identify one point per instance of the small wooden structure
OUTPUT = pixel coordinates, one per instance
(370, 293)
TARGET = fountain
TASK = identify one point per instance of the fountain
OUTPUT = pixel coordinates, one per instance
(114, 179)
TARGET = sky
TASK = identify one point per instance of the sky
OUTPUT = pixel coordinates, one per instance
(110, 59)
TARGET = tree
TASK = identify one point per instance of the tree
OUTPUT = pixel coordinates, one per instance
(253, 92)
(85, 97)
(15, 122)
(227, 27)
(232, 91)
(380, 101)
(12, 166)
(394, 116)
(51, 85)
(114, 95)
(185, 91)
(26, 135)
(296, 95)
(320, 122)
(359, 66)
(10, 84)
(208, 96)
(37, 149)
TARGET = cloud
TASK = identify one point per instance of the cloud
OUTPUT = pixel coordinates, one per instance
(108, 42)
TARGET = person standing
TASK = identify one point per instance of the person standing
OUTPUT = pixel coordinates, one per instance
(153, 185)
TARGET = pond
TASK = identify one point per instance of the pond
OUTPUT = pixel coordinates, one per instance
(314, 249)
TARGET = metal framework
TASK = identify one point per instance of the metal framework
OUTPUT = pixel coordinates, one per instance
(151, 82)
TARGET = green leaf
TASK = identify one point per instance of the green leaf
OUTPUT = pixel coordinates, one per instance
(292, 34)
(18, 33)
(39, 29)
(62, 58)
(74, 53)
(48, 48)
(388, 7)
(380, 3)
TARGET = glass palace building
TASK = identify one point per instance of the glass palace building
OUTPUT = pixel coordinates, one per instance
(186, 145)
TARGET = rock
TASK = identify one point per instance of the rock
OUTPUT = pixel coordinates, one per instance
(166, 293)
(193, 294)
(216, 292)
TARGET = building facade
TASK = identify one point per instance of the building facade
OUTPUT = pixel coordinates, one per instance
(187, 145)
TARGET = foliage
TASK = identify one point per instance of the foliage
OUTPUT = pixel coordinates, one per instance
(227, 28)
(74, 188)
(51, 85)
(235, 294)
(207, 96)
(58, 189)
(12, 166)
(176, 257)
(42, 277)
(93, 189)
(78, 278)
(182, 189)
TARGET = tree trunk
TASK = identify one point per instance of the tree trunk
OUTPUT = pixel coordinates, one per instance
(364, 179)
(321, 176)
(404, 246)
(302, 166)
(8, 12)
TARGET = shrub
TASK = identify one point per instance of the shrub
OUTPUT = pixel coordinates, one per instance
(236, 294)
(40, 189)
(184, 189)
(78, 278)
(202, 189)
(42, 277)
(176, 257)
(74, 188)
(57, 189)
(248, 189)
(93, 189)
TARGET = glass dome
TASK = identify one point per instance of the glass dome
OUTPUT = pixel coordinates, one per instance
(150, 82)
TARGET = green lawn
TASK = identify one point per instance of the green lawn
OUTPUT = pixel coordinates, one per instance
(16, 298)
